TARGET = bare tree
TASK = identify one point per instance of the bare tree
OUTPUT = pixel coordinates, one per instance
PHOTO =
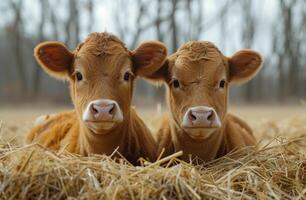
(170, 21)
(72, 24)
(141, 12)
(198, 18)
(15, 32)
(159, 34)
(248, 34)
(173, 25)
(302, 38)
(120, 16)
(43, 17)
(91, 14)
(290, 44)
(53, 20)
(287, 48)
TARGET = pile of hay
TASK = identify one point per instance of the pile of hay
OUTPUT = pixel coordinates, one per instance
(276, 170)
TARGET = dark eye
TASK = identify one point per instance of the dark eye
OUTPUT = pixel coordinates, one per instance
(222, 84)
(126, 76)
(78, 76)
(176, 83)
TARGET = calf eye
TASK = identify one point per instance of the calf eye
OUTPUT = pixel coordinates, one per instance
(222, 84)
(126, 76)
(78, 76)
(176, 83)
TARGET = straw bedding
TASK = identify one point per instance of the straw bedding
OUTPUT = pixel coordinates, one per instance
(275, 169)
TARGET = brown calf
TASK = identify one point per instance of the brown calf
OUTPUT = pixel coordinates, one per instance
(197, 78)
(101, 74)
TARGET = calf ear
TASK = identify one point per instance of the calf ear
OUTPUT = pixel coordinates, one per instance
(149, 59)
(54, 58)
(244, 65)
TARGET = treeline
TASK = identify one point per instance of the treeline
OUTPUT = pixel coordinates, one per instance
(276, 28)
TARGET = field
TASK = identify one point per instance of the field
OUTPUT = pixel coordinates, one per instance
(274, 169)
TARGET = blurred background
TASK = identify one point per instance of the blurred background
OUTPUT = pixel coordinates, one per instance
(276, 28)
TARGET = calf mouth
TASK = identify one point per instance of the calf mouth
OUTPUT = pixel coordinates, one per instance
(200, 121)
(200, 127)
(99, 127)
(200, 133)
(102, 115)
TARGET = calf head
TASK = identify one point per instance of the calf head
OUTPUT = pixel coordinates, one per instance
(197, 78)
(101, 72)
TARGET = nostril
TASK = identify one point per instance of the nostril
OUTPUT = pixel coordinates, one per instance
(93, 109)
(210, 116)
(112, 109)
(191, 116)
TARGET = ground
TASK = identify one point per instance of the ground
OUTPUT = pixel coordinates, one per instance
(276, 169)
(18, 119)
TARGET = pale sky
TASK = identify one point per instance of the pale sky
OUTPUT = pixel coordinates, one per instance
(104, 20)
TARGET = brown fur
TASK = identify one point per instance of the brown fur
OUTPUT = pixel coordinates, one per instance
(199, 67)
(103, 59)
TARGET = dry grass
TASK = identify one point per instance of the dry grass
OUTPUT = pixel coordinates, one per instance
(275, 169)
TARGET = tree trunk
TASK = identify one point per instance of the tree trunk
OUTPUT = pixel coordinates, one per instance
(17, 47)
(174, 34)
(37, 73)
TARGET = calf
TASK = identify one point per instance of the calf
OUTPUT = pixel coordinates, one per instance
(101, 73)
(197, 78)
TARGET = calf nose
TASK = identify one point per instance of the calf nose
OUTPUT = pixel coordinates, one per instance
(201, 117)
(103, 110)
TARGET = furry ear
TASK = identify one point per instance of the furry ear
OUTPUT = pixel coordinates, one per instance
(149, 58)
(54, 58)
(244, 65)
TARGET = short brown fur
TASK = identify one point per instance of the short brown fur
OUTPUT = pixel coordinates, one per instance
(199, 67)
(103, 59)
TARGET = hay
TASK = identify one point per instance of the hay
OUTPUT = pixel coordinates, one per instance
(272, 170)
